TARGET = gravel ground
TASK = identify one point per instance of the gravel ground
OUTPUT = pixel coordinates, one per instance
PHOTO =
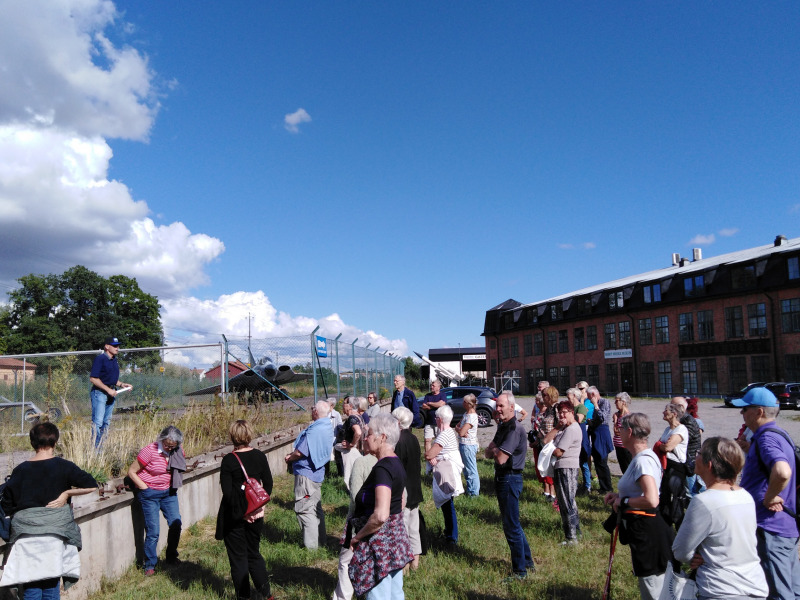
(717, 419)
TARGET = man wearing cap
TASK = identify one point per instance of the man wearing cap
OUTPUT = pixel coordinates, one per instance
(105, 380)
(769, 477)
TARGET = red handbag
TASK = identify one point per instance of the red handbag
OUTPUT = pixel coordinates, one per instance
(254, 492)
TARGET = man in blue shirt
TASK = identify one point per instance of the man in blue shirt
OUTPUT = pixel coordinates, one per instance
(405, 397)
(769, 476)
(312, 451)
(105, 381)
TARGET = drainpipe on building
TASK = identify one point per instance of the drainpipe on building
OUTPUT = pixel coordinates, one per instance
(634, 354)
(773, 320)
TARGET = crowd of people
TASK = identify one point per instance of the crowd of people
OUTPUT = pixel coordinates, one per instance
(677, 502)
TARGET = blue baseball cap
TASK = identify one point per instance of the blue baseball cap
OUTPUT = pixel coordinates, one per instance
(759, 396)
(112, 341)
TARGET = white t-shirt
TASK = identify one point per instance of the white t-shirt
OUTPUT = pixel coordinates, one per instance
(472, 434)
(448, 441)
(644, 463)
(721, 526)
(678, 453)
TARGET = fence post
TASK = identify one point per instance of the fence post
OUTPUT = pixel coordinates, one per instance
(353, 352)
(22, 412)
(383, 372)
(338, 372)
(224, 366)
(366, 368)
(314, 356)
(375, 370)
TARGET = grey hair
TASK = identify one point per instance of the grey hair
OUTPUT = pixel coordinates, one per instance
(591, 389)
(171, 433)
(404, 417)
(359, 403)
(510, 395)
(445, 413)
(402, 378)
(385, 424)
(545, 382)
(625, 397)
(332, 401)
(771, 412)
(680, 401)
(574, 391)
(639, 425)
(677, 409)
(323, 408)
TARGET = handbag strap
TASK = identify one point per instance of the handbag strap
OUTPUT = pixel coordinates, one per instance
(246, 476)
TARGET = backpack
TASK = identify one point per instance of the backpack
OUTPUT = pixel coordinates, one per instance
(5, 520)
(795, 466)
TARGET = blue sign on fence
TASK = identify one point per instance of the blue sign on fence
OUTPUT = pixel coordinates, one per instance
(322, 347)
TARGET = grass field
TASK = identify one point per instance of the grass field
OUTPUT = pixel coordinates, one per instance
(473, 571)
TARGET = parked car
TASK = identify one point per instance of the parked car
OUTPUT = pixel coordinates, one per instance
(788, 394)
(729, 398)
(486, 402)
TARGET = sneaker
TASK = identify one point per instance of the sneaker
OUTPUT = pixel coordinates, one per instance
(515, 577)
(555, 505)
(531, 568)
(567, 543)
(149, 572)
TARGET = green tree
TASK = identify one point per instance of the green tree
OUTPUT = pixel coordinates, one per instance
(78, 309)
(412, 369)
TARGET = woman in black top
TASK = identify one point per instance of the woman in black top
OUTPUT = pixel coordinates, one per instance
(242, 534)
(42, 484)
(376, 532)
(409, 452)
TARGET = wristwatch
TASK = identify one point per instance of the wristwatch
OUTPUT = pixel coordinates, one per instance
(626, 501)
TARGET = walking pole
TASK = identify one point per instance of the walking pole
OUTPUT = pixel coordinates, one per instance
(607, 586)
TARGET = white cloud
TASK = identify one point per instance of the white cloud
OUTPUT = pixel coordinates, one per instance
(194, 321)
(65, 72)
(292, 120)
(728, 232)
(566, 246)
(67, 89)
(795, 208)
(589, 245)
(702, 240)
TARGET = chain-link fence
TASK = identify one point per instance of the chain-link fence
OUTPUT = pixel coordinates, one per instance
(308, 366)
(299, 368)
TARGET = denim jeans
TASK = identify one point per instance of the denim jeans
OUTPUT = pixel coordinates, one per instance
(586, 471)
(468, 456)
(450, 520)
(46, 589)
(102, 410)
(152, 501)
(389, 588)
(509, 488)
(779, 560)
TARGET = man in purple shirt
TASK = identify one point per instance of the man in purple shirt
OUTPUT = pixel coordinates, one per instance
(769, 477)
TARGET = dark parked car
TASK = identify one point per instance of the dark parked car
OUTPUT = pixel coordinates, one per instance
(486, 402)
(729, 398)
(788, 394)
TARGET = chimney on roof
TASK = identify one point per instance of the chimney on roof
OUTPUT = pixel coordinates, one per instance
(683, 262)
(697, 254)
(780, 240)
(676, 258)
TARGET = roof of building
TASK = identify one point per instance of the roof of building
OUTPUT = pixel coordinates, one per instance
(456, 350)
(16, 364)
(682, 268)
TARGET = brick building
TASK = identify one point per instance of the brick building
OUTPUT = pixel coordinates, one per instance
(700, 326)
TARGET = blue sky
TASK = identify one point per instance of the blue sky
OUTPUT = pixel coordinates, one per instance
(451, 155)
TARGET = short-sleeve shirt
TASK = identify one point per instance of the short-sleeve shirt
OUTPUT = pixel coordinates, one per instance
(589, 408)
(513, 441)
(582, 410)
(644, 463)
(448, 440)
(387, 472)
(678, 453)
(105, 369)
(569, 440)
(771, 447)
(349, 423)
(471, 439)
(303, 465)
(155, 470)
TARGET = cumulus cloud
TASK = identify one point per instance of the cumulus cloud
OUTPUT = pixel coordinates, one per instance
(66, 91)
(292, 120)
(702, 240)
(728, 232)
(589, 245)
(191, 320)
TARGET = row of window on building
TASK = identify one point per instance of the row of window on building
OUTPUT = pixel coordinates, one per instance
(694, 376)
(692, 327)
